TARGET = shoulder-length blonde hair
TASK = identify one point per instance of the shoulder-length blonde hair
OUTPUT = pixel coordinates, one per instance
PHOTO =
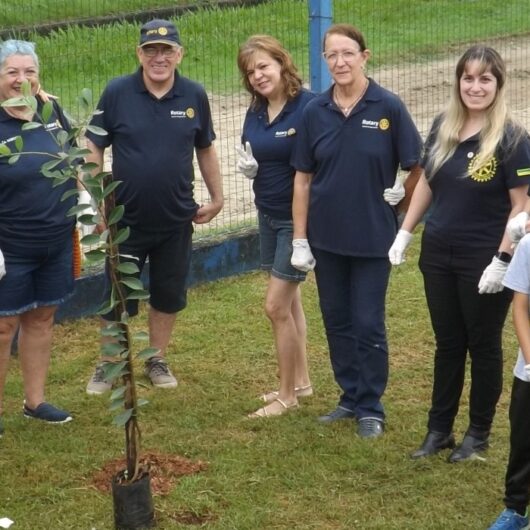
(292, 82)
(453, 119)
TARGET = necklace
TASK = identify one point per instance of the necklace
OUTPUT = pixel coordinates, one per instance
(348, 108)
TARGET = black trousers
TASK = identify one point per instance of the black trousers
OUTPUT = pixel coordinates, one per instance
(463, 321)
(517, 494)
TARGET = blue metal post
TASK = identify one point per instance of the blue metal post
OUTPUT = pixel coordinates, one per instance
(320, 16)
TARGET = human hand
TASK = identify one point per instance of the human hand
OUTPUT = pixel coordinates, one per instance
(207, 212)
(396, 254)
(2, 266)
(491, 279)
(302, 257)
(516, 227)
(246, 164)
(395, 194)
(44, 96)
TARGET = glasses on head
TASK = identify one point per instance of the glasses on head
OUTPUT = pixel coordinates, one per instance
(347, 56)
(153, 51)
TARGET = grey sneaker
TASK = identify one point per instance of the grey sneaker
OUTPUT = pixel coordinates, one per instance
(157, 370)
(370, 427)
(97, 384)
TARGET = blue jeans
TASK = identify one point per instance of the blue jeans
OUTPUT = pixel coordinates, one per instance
(352, 295)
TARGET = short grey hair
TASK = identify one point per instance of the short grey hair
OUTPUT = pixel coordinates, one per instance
(17, 47)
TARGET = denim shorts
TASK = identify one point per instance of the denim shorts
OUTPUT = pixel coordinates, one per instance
(36, 276)
(276, 248)
(169, 255)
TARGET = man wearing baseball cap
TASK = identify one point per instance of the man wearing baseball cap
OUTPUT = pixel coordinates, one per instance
(155, 120)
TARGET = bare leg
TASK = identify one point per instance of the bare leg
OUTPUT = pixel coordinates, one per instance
(34, 343)
(278, 307)
(8, 327)
(160, 329)
(301, 370)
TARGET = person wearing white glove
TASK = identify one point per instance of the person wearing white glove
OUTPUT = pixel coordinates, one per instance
(516, 227)
(278, 101)
(395, 194)
(247, 164)
(341, 215)
(517, 476)
(396, 254)
(465, 248)
(2, 265)
(491, 279)
(302, 258)
(85, 199)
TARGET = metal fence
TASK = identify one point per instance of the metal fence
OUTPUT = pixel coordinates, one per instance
(84, 43)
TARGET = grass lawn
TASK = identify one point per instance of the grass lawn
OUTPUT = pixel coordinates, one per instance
(281, 473)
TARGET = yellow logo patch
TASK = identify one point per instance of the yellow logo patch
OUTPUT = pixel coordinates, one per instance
(291, 131)
(162, 31)
(484, 173)
(384, 124)
(190, 113)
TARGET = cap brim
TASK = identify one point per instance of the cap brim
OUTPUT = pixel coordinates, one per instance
(160, 41)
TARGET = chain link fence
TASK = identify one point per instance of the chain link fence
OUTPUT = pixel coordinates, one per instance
(415, 45)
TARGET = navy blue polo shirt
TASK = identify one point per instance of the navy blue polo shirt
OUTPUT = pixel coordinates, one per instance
(472, 209)
(153, 142)
(353, 159)
(272, 146)
(31, 210)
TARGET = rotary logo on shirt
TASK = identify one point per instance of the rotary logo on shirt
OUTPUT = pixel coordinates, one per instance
(188, 113)
(484, 173)
(54, 125)
(284, 134)
(382, 124)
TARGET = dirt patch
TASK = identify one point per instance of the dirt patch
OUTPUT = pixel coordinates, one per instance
(165, 471)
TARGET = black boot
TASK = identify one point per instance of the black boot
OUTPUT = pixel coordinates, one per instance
(434, 442)
(474, 443)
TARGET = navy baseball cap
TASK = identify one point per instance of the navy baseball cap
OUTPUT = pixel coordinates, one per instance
(159, 32)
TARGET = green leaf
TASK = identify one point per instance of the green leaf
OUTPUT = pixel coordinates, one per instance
(112, 349)
(111, 187)
(88, 219)
(96, 130)
(112, 330)
(147, 352)
(62, 137)
(117, 393)
(14, 159)
(67, 194)
(105, 307)
(123, 418)
(4, 150)
(122, 235)
(128, 268)
(47, 109)
(140, 335)
(90, 240)
(116, 404)
(138, 295)
(141, 402)
(74, 210)
(28, 126)
(19, 143)
(133, 283)
(114, 370)
(95, 256)
(116, 215)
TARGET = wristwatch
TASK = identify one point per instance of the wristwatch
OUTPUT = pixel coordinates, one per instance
(504, 257)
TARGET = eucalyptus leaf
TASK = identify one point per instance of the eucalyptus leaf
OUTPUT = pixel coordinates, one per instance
(116, 404)
(133, 283)
(128, 268)
(122, 235)
(148, 352)
(118, 393)
(123, 418)
(138, 295)
(28, 126)
(112, 349)
(116, 215)
(46, 112)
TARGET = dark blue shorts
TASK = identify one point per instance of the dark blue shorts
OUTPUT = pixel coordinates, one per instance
(36, 276)
(169, 256)
(276, 248)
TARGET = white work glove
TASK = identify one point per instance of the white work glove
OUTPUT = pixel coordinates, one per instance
(491, 279)
(396, 254)
(302, 257)
(516, 227)
(85, 198)
(527, 371)
(395, 194)
(246, 164)
(2, 266)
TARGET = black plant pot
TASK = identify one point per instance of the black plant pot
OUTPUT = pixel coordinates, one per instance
(133, 503)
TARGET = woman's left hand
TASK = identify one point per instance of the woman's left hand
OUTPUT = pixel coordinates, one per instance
(395, 194)
(44, 96)
(491, 280)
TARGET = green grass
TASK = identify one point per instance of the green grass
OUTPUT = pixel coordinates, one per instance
(396, 31)
(281, 473)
